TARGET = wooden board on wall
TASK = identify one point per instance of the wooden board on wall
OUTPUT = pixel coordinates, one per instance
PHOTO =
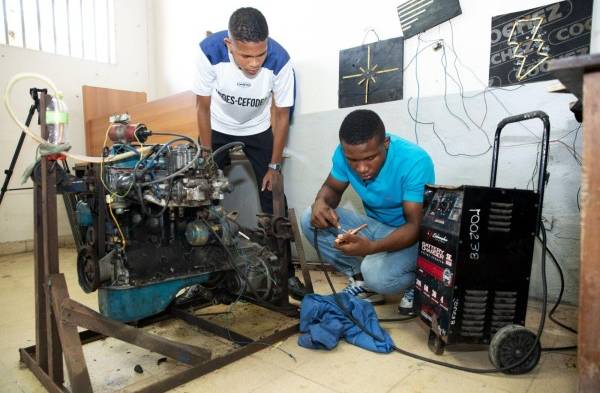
(100, 102)
(176, 114)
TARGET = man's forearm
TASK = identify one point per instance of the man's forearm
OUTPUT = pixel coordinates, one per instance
(402, 237)
(281, 127)
(203, 117)
(329, 196)
(204, 131)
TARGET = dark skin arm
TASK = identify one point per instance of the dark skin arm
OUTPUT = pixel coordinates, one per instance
(203, 115)
(406, 235)
(280, 123)
(327, 200)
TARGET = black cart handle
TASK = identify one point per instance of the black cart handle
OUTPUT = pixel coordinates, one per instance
(543, 159)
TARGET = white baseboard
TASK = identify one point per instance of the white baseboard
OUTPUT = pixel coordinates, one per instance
(21, 246)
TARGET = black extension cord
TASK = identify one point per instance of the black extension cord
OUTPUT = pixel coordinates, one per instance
(445, 364)
(556, 305)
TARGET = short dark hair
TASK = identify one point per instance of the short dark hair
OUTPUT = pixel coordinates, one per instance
(360, 126)
(248, 24)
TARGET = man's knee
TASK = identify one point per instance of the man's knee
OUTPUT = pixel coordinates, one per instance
(381, 279)
(371, 270)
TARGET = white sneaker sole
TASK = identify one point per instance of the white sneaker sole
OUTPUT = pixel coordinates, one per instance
(373, 299)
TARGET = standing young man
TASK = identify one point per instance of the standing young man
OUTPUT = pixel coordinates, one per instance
(389, 175)
(242, 78)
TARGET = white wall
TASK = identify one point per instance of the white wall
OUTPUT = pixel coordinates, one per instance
(314, 32)
(69, 74)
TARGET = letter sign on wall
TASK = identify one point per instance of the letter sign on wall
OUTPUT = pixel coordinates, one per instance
(523, 42)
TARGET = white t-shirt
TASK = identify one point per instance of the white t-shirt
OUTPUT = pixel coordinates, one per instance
(241, 105)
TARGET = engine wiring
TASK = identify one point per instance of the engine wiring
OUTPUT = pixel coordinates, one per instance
(102, 163)
(133, 183)
(109, 202)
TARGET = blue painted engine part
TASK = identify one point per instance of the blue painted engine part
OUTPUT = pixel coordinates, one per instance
(130, 304)
(84, 214)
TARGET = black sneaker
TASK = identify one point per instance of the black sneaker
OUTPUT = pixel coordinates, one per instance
(296, 289)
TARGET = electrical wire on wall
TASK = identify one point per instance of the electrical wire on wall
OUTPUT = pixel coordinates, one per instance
(458, 82)
(436, 133)
(416, 119)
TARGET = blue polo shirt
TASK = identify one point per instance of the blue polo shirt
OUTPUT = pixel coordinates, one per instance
(402, 177)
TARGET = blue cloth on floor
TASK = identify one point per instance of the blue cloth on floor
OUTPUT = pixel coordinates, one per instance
(323, 323)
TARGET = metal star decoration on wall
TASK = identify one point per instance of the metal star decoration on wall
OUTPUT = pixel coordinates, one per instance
(371, 73)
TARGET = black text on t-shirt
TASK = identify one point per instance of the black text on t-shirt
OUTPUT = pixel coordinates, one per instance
(242, 101)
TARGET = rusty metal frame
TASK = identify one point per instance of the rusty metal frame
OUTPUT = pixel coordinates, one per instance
(72, 314)
(28, 357)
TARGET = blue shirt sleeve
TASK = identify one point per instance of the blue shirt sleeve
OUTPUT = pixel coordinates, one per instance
(420, 174)
(339, 168)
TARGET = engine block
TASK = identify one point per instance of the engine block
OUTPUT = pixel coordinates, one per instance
(153, 224)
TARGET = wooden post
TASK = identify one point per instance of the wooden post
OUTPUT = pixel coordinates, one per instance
(49, 354)
(300, 250)
(41, 344)
(588, 359)
(278, 195)
(69, 337)
(80, 315)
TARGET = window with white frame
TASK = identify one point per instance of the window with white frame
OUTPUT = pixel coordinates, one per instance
(78, 28)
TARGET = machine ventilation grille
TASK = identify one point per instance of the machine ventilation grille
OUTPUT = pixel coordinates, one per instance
(503, 309)
(500, 217)
(473, 316)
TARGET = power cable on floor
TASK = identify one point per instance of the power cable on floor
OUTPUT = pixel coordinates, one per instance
(438, 362)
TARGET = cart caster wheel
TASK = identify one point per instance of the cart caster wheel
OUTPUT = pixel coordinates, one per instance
(435, 343)
(510, 344)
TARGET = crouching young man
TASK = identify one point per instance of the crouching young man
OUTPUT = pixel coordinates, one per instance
(389, 174)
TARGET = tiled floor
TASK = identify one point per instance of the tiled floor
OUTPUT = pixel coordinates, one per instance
(285, 367)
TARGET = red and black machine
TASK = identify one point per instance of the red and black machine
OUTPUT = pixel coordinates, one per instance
(474, 264)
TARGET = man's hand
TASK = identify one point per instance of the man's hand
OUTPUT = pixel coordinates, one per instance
(353, 245)
(323, 216)
(206, 152)
(269, 179)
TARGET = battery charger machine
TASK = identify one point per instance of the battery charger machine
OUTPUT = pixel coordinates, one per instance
(474, 264)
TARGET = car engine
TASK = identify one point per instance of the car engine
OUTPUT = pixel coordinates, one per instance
(153, 224)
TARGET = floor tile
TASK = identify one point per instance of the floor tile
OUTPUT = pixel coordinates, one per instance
(290, 382)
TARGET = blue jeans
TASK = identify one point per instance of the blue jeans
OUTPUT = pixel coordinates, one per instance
(384, 272)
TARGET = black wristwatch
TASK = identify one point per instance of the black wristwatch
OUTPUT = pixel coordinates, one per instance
(275, 167)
